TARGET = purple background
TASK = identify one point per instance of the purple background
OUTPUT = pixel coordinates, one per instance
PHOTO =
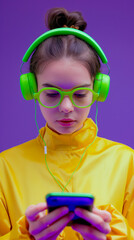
(110, 23)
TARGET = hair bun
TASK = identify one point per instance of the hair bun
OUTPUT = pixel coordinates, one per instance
(58, 17)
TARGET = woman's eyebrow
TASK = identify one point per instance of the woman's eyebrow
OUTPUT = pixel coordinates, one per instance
(51, 85)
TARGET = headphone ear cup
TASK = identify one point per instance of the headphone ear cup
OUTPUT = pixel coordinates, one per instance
(28, 85)
(101, 86)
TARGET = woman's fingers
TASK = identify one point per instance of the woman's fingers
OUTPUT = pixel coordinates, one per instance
(33, 210)
(43, 221)
(88, 232)
(49, 226)
(94, 219)
(52, 231)
(103, 213)
(99, 220)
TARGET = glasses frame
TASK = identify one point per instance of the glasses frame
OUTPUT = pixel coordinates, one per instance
(65, 93)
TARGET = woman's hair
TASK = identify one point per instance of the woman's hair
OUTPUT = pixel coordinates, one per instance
(64, 46)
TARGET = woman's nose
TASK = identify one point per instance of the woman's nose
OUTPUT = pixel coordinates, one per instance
(66, 105)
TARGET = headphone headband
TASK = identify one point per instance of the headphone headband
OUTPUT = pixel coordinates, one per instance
(65, 31)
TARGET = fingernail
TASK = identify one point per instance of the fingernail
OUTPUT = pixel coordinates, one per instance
(107, 230)
(77, 211)
(65, 210)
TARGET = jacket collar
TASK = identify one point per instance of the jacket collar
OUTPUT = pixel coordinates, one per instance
(76, 140)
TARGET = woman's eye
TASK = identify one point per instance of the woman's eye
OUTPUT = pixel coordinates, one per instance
(52, 94)
(80, 95)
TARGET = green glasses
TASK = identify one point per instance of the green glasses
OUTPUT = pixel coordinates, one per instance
(51, 97)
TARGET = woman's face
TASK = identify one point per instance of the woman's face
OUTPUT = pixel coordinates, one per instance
(65, 73)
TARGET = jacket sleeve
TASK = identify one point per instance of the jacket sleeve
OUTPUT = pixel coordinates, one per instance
(120, 227)
(122, 224)
(8, 232)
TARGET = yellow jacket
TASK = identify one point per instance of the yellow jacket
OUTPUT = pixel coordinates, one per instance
(106, 171)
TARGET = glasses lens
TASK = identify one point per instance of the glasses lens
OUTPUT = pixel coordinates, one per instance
(49, 98)
(83, 97)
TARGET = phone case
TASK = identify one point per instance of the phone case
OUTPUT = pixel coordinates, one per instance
(71, 200)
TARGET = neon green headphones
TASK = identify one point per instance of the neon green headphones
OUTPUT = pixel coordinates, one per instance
(28, 81)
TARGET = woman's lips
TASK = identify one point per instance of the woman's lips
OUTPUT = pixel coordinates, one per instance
(66, 122)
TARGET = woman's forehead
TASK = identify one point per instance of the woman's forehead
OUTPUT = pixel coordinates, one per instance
(65, 67)
(64, 73)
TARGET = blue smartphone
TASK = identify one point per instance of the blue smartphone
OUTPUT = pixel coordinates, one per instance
(71, 200)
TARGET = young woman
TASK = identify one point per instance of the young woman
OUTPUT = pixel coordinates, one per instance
(66, 64)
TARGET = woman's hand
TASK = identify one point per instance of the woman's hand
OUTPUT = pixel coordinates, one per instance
(42, 226)
(99, 220)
